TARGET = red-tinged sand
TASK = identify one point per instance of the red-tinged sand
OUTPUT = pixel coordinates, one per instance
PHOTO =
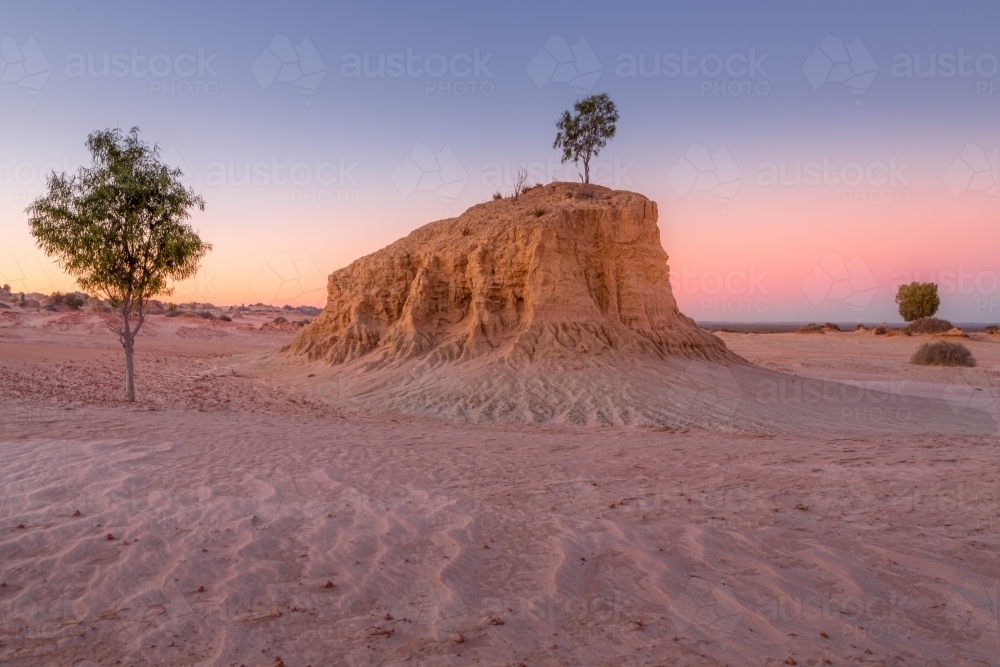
(606, 545)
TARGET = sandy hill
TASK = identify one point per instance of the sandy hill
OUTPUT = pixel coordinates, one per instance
(556, 307)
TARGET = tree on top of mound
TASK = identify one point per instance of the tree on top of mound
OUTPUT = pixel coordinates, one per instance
(119, 228)
(917, 300)
(582, 135)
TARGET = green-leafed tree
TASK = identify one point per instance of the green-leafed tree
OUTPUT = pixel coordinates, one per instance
(119, 228)
(582, 135)
(917, 300)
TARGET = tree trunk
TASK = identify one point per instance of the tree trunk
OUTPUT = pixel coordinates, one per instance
(586, 169)
(128, 342)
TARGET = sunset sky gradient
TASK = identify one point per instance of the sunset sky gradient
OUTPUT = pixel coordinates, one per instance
(308, 160)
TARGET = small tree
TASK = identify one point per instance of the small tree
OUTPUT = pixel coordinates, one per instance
(917, 300)
(118, 228)
(582, 135)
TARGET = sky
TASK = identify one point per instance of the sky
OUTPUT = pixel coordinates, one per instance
(807, 158)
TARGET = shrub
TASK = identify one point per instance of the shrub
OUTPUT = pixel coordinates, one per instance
(832, 326)
(539, 211)
(71, 301)
(917, 300)
(992, 329)
(943, 353)
(880, 330)
(528, 188)
(225, 318)
(928, 325)
(173, 313)
(810, 328)
(497, 195)
(171, 307)
(279, 320)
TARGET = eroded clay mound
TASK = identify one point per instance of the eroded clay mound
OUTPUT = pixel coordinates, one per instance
(566, 272)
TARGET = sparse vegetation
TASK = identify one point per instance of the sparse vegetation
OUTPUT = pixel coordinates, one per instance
(917, 300)
(539, 211)
(832, 326)
(279, 320)
(497, 195)
(943, 353)
(928, 325)
(519, 182)
(812, 327)
(71, 301)
(880, 330)
(582, 135)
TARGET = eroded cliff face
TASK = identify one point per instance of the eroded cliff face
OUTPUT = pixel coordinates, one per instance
(567, 270)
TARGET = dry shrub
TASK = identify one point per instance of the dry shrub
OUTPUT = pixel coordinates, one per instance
(943, 353)
(928, 325)
(880, 330)
(497, 195)
(832, 326)
(540, 211)
(810, 328)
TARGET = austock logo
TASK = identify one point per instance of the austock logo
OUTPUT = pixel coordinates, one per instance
(283, 62)
(833, 279)
(974, 170)
(715, 173)
(23, 64)
(286, 279)
(835, 62)
(424, 170)
(559, 62)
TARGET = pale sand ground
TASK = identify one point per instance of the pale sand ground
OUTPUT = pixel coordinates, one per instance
(607, 546)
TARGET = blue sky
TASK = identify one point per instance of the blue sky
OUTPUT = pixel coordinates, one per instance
(304, 175)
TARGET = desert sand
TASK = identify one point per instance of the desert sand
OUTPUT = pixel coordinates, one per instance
(745, 499)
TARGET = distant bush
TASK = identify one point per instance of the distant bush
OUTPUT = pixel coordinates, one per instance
(528, 188)
(279, 320)
(539, 211)
(205, 315)
(497, 195)
(812, 327)
(225, 318)
(992, 329)
(943, 353)
(880, 330)
(173, 313)
(917, 300)
(171, 307)
(929, 325)
(71, 301)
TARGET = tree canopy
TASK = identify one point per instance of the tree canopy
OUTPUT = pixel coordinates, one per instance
(582, 135)
(917, 300)
(119, 227)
